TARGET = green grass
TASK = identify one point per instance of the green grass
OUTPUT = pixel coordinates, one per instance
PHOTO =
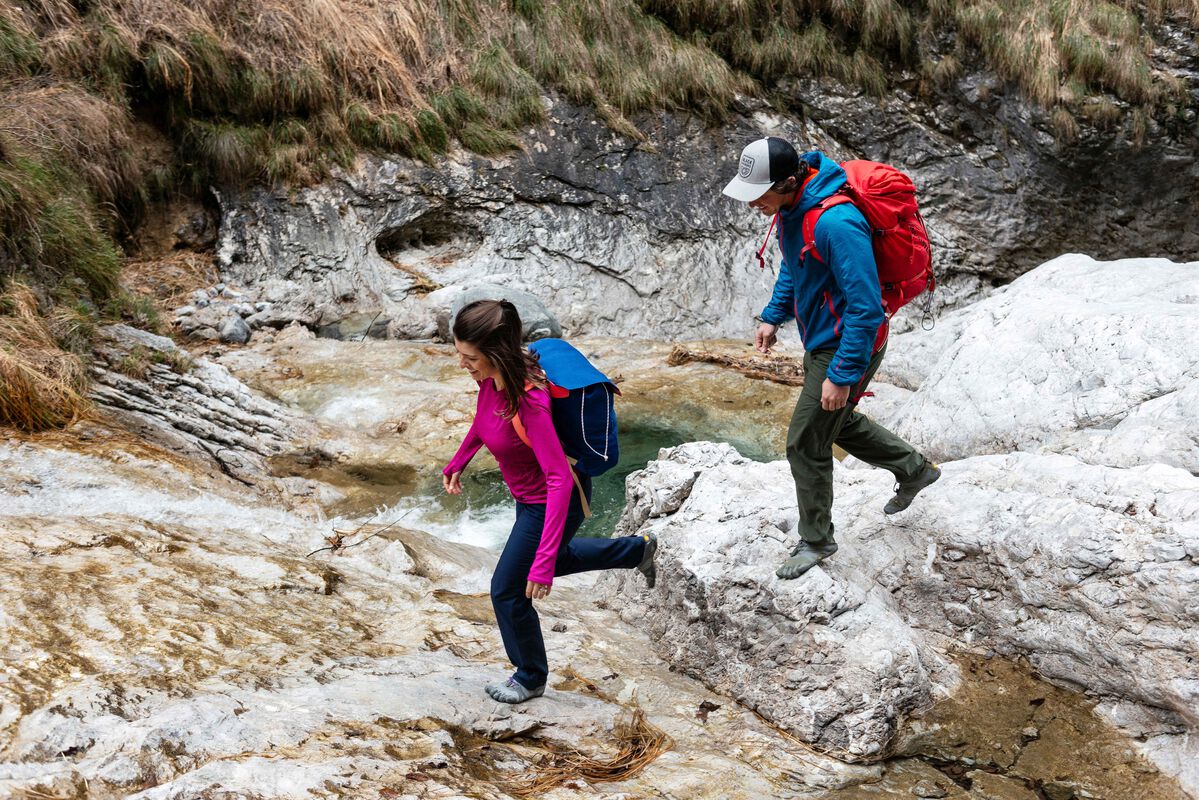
(51, 231)
(20, 52)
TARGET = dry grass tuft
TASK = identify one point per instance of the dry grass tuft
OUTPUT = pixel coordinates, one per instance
(41, 385)
(170, 280)
(88, 135)
(639, 744)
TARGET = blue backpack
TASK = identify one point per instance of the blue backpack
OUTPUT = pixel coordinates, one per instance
(583, 407)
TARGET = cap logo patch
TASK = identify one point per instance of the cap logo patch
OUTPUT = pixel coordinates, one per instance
(747, 166)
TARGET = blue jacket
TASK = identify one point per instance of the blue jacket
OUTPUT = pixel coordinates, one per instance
(838, 303)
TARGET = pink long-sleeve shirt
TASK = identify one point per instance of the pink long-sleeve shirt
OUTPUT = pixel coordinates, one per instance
(537, 472)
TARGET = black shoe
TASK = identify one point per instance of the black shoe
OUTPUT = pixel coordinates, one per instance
(647, 560)
(906, 492)
(805, 556)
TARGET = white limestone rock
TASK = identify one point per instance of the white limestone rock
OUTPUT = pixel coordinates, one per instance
(828, 656)
(1090, 572)
(1092, 358)
(191, 406)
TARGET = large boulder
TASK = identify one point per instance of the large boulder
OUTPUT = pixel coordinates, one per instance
(1081, 356)
(829, 657)
(1089, 572)
(536, 320)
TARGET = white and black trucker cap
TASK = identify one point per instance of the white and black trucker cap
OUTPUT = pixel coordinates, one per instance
(763, 163)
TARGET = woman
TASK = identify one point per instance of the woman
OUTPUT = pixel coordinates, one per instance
(487, 335)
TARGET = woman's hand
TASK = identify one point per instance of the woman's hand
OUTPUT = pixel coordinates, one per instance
(536, 591)
(452, 483)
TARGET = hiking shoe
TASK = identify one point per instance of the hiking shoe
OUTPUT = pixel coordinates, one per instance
(646, 566)
(513, 691)
(906, 492)
(805, 556)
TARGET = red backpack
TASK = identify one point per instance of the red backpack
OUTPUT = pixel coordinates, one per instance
(887, 199)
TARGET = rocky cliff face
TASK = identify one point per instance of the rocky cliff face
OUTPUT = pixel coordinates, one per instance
(634, 239)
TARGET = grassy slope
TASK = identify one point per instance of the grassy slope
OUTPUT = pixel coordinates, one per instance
(280, 90)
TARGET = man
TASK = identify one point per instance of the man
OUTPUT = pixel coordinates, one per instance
(837, 304)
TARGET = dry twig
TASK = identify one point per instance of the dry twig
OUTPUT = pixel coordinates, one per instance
(778, 369)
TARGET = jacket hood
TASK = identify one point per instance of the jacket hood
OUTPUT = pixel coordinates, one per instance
(828, 179)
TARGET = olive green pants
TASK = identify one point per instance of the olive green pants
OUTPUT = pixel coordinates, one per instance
(813, 432)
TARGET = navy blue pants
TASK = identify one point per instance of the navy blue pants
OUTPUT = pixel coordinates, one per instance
(519, 624)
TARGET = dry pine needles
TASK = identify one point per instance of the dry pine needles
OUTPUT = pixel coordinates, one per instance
(640, 743)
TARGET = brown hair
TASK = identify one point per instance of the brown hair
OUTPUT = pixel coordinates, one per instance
(494, 327)
(792, 182)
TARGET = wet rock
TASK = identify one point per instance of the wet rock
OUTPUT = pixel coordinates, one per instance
(536, 320)
(988, 786)
(292, 691)
(926, 788)
(235, 330)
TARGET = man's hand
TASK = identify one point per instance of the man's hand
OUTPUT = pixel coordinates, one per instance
(452, 483)
(832, 396)
(536, 591)
(766, 337)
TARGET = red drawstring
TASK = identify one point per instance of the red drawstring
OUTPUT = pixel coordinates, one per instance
(766, 243)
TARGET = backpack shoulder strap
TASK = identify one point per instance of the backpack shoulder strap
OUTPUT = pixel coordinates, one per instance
(811, 217)
(520, 428)
(524, 437)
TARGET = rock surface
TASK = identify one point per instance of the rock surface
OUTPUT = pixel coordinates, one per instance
(1087, 571)
(191, 406)
(537, 321)
(620, 238)
(828, 657)
(172, 634)
(1097, 359)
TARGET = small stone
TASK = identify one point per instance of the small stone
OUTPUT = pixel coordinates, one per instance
(1055, 790)
(200, 298)
(1030, 733)
(235, 331)
(256, 321)
(559, 627)
(927, 788)
(245, 309)
(220, 287)
(261, 306)
(229, 294)
(204, 333)
(184, 311)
